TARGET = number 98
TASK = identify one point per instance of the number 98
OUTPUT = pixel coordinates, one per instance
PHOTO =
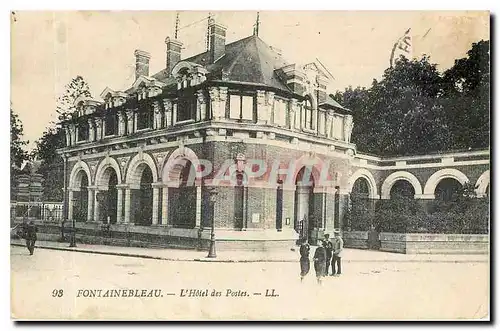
(57, 293)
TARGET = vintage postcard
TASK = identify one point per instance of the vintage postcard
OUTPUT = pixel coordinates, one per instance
(250, 165)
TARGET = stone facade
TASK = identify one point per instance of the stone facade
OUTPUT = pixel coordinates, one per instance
(148, 157)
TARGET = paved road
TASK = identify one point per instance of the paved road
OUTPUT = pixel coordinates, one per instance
(364, 291)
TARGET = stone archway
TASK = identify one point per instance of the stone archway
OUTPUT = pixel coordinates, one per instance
(108, 177)
(482, 184)
(181, 179)
(79, 200)
(397, 176)
(141, 198)
(370, 180)
(435, 178)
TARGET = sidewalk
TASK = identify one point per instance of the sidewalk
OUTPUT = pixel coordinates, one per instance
(168, 254)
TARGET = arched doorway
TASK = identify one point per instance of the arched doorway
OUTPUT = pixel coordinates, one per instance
(81, 197)
(143, 211)
(447, 189)
(304, 187)
(402, 189)
(109, 203)
(182, 199)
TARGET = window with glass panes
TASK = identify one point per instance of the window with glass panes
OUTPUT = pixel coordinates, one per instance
(280, 112)
(186, 108)
(241, 107)
(83, 131)
(145, 117)
(110, 124)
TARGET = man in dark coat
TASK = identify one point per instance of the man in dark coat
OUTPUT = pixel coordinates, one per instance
(320, 263)
(30, 236)
(304, 259)
(327, 244)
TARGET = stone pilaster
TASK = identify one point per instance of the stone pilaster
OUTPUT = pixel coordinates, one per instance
(167, 105)
(198, 206)
(164, 206)
(156, 201)
(130, 121)
(90, 203)
(222, 101)
(72, 129)
(329, 124)
(91, 130)
(70, 204)
(174, 113)
(214, 102)
(121, 123)
(269, 106)
(119, 205)
(261, 107)
(348, 124)
(127, 205)
(98, 128)
(157, 119)
(292, 106)
(201, 110)
(96, 206)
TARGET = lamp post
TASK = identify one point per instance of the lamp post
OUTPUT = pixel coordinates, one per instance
(212, 191)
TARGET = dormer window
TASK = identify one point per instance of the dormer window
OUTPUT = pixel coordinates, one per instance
(83, 131)
(186, 107)
(110, 124)
(144, 118)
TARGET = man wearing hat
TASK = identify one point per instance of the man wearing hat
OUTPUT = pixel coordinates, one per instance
(338, 246)
(327, 244)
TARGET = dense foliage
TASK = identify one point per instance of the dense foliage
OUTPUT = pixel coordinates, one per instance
(52, 166)
(463, 214)
(414, 109)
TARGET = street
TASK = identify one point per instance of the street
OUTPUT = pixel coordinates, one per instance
(70, 285)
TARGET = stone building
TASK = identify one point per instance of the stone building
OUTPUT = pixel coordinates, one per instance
(239, 109)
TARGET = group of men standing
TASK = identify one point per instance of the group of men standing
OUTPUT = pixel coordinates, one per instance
(328, 253)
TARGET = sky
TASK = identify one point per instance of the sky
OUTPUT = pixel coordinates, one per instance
(48, 49)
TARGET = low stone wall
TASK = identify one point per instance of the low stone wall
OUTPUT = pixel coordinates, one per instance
(166, 237)
(430, 243)
(355, 239)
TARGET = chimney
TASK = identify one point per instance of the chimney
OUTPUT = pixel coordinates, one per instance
(173, 53)
(217, 40)
(141, 63)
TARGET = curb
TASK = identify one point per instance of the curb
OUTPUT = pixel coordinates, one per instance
(211, 260)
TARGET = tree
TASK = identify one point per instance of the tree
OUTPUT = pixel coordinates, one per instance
(399, 114)
(466, 95)
(17, 145)
(52, 166)
(414, 109)
(18, 153)
(76, 87)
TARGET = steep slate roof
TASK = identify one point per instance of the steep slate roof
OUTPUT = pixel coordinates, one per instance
(332, 103)
(248, 60)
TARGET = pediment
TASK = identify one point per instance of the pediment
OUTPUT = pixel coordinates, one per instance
(146, 81)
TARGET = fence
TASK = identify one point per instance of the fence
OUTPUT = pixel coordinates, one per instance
(45, 211)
